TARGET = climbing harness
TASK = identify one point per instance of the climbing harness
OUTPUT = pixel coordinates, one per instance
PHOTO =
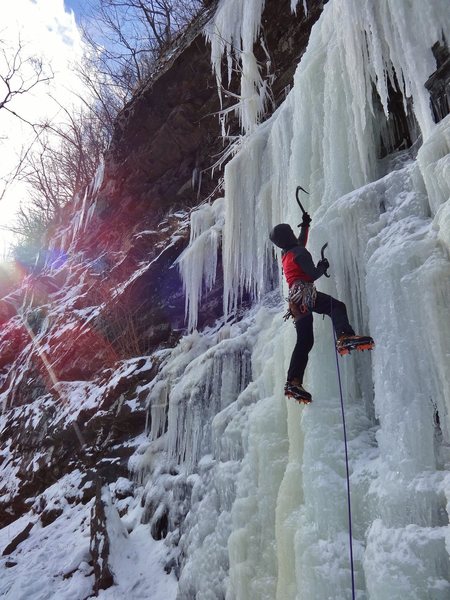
(303, 296)
(347, 471)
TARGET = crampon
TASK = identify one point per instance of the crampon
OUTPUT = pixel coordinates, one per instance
(347, 343)
(297, 391)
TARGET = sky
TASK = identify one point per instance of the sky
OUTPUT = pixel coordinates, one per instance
(74, 5)
(47, 29)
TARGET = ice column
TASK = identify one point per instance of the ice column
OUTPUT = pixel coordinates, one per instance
(201, 377)
(198, 263)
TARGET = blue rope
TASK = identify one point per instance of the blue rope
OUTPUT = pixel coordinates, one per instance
(349, 506)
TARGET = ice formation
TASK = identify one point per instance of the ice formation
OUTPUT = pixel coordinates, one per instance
(232, 32)
(83, 211)
(198, 264)
(268, 517)
(259, 509)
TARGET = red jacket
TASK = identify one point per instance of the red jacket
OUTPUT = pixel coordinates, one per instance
(292, 269)
(297, 261)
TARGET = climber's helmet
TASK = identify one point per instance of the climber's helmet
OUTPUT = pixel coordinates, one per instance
(283, 236)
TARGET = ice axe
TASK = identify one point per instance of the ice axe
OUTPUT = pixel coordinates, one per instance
(322, 256)
(299, 187)
(322, 251)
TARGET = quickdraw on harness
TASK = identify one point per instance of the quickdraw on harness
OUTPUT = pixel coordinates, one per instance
(303, 295)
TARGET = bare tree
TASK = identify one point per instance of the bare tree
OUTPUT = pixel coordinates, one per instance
(29, 229)
(63, 161)
(61, 164)
(104, 99)
(126, 40)
(19, 74)
(130, 35)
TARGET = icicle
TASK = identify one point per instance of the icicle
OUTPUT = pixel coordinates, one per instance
(294, 4)
(232, 32)
(198, 263)
(324, 135)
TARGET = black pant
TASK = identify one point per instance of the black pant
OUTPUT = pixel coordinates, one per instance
(324, 305)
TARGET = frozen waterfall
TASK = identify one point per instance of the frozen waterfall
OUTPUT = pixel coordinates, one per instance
(268, 517)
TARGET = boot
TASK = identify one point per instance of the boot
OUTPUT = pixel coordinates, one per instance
(295, 390)
(347, 342)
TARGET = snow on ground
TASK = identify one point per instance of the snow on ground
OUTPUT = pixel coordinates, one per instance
(53, 563)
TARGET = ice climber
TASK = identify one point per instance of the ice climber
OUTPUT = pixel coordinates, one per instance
(304, 299)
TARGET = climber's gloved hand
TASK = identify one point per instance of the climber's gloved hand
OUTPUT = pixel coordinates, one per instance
(306, 220)
(323, 264)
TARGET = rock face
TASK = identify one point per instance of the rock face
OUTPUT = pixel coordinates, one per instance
(439, 83)
(100, 543)
(169, 131)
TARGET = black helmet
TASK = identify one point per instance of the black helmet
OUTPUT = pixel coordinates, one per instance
(283, 236)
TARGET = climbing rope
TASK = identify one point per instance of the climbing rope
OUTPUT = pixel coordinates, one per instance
(349, 505)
